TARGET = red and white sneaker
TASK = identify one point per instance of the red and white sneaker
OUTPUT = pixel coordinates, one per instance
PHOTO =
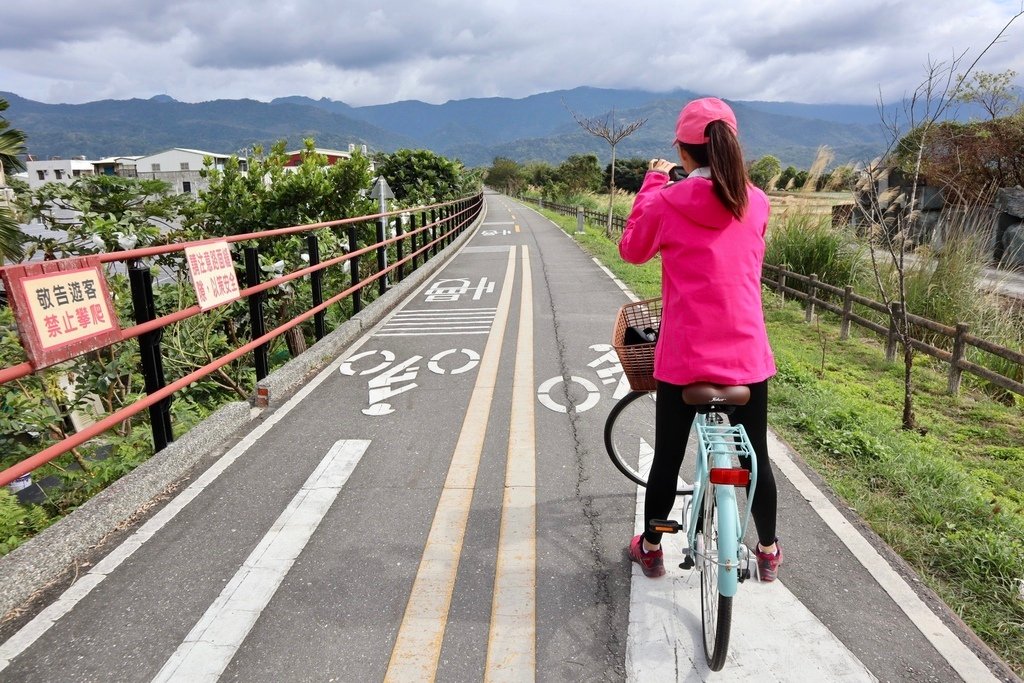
(652, 563)
(768, 564)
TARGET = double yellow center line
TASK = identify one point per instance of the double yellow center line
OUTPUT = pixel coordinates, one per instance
(511, 650)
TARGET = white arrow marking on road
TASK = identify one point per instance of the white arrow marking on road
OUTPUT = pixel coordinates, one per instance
(213, 641)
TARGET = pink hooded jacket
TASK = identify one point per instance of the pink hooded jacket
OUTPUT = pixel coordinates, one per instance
(712, 327)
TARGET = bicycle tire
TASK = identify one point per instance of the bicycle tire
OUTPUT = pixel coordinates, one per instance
(715, 608)
(629, 437)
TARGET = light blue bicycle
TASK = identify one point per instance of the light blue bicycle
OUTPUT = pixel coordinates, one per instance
(712, 520)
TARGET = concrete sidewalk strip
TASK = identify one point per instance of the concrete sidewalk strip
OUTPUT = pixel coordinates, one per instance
(774, 637)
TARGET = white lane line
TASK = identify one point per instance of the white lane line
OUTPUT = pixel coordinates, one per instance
(430, 334)
(619, 283)
(447, 311)
(511, 643)
(418, 645)
(960, 657)
(774, 637)
(213, 641)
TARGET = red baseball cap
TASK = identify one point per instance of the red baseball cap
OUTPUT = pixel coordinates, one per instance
(695, 117)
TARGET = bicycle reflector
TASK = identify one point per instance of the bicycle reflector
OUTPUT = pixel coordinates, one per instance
(729, 476)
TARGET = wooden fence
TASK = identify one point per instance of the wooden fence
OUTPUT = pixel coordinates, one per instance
(777, 278)
(599, 218)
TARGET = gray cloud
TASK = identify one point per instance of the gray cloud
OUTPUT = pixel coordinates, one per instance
(435, 50)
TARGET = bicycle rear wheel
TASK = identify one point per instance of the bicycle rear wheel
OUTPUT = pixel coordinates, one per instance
(629, 436)
(715, 608)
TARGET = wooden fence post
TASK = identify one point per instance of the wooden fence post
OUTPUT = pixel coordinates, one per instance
(959, 348)
(780, 287)
(812, 285)
(890, 342)
(844, 326)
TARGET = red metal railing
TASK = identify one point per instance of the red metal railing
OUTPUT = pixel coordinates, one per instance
(455, 217)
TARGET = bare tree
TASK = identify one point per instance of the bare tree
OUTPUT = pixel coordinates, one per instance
(609, 129)
(894, 214)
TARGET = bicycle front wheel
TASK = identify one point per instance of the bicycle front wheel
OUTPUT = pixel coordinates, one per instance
(629, 436)
(715, 608)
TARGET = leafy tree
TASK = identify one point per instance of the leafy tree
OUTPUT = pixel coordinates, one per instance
(104, 213)
(419, 176)
(791, 178)
(12, 146)
(540, 175)
(580, 173)
(765, 171)
(629, 175)
(970, 159)
(266, 196)
(994, 92)
(505, 174)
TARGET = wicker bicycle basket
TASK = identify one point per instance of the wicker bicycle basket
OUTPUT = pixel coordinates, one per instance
(637, 359)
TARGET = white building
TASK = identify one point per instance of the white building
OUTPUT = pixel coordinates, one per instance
(64, 171)
(180, 168)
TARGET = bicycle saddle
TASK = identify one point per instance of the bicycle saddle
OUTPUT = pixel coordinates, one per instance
(708, 394)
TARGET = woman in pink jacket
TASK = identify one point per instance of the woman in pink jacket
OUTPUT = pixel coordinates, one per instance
(709, 229)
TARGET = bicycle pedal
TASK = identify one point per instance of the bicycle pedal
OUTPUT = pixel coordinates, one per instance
(664, 526)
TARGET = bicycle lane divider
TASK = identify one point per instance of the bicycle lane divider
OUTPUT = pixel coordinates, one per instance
(420, 635)
(211, 644)
(511, 651)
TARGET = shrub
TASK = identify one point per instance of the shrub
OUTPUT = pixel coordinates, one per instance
(809, 245)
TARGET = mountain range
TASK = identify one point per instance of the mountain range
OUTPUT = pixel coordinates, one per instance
(539, 127)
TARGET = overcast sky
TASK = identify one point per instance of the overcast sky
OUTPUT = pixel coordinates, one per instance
(369, 52)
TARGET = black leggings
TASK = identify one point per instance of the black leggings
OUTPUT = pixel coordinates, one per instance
(673, 419)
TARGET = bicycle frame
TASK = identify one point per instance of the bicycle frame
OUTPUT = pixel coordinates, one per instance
(717, 444)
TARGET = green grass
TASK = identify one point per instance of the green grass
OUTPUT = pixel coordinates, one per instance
(949, 497)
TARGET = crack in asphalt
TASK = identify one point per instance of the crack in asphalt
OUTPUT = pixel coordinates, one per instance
(602, 588)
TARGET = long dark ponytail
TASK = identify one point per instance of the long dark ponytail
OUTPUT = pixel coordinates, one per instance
(723, 155)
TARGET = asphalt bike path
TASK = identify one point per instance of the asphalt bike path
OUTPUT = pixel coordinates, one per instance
(437, 504)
